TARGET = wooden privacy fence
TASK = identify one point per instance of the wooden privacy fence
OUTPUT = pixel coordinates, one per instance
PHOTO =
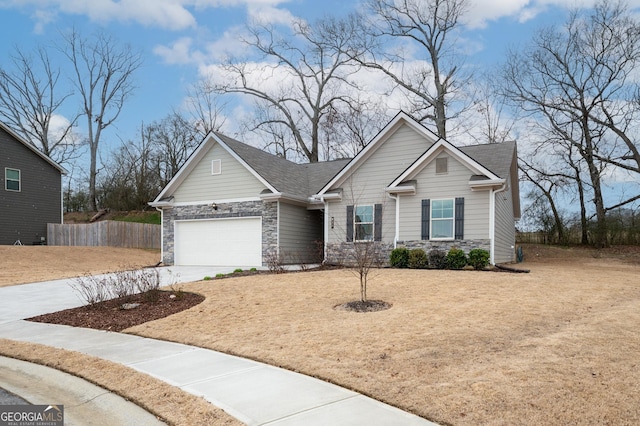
(105, 233)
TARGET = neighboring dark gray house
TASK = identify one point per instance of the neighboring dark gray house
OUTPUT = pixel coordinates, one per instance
(31, 192)
(235, 205)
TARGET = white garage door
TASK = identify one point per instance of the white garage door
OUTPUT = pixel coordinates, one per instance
(219, 242)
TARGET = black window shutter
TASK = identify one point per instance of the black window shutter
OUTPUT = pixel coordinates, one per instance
(425, 218)
(349, 224)
(377, 224)
(459, 220)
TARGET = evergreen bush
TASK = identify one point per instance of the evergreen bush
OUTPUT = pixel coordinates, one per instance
(437, 259)
(456, 259)
(418, 259)
(399, 257)
(479, 258)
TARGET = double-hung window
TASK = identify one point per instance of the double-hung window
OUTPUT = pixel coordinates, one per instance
(442, 216)
(363, 223)
(12, 179)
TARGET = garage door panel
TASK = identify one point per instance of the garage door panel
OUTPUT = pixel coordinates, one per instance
(219, 242)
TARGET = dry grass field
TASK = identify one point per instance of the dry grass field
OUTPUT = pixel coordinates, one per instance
(556, 346)
(30, 264)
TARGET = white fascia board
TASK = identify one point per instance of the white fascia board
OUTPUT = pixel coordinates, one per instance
(160, 204)
(195, 158)
(328, 196)
(202, 202)
(378, 140)
(402, 189)
(440, 146)
(280, 196)
(484, 184)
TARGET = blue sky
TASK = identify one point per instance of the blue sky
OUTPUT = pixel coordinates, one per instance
(180, 38)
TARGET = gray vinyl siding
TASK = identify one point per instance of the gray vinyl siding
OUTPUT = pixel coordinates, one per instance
(299, 232)
(235, 181)
(445, 186)
(367, 184)
(505, 231)
(24, 215)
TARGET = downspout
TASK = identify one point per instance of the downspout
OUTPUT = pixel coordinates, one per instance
(161, 233)
(326, 228)
(396, 198)
(492, 220)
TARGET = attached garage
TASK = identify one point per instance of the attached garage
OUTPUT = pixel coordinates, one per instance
(219, 242)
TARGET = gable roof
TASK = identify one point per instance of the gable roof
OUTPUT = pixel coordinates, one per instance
(465, 156)
(384, 134)
(492, 162)
(285, 176)
(282, 177)
(33, 148)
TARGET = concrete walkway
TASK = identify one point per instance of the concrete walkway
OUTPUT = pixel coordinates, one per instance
(254, 393)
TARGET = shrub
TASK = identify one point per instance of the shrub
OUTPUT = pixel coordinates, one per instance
(235, 271)
(275, 262)
(456, 259)
(399, 257)
(479, 258)
(418, 259)
(437, 259)
(95, 289)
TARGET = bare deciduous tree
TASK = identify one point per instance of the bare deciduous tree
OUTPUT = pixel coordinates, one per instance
(30, 100)
(205, 108)
(300, 77)
(173, 139)
(103, 72)
(433, 77)
(572, 79)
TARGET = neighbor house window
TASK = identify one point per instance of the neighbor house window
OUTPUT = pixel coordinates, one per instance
(441, 166)
(12, 179)
(442, 219)
(363, 223)
(216, 167)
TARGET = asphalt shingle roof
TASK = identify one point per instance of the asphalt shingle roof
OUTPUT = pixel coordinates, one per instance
(496, 156)
(286, 176)
(304, 180)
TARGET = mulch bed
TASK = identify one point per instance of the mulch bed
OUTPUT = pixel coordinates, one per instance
(111, 316)
(366, 306)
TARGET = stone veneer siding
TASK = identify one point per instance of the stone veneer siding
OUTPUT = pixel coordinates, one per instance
(343, 253)
(340, 253)
(464, 245)
(268, 211)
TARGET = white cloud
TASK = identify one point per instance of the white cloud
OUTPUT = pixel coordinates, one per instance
(178, 53)
(166, 14)
(483, 11)
(265, 13)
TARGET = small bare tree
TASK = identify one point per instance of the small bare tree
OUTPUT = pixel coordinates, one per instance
(365, 256)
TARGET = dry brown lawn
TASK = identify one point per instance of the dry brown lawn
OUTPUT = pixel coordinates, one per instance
(29, 264)
(559, 345)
